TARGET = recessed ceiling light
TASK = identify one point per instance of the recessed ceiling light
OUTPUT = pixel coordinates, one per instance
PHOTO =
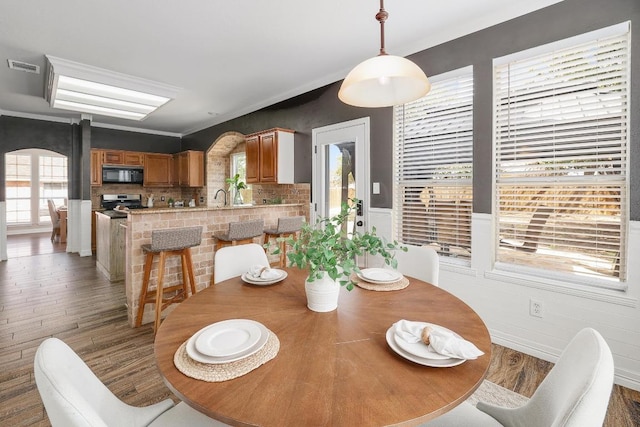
(83, 88)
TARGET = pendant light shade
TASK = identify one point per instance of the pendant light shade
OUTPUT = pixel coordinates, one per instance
(385, 80)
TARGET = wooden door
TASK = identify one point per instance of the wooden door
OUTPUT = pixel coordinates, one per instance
(113, 157)
(268, 157)
(132, 158)
(157, 170)
(252, 150)
(96, 168)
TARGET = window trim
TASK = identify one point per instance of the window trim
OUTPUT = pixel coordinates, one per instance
(571, 283)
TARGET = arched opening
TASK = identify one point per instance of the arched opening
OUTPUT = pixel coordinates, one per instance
(33, 177)
(219, 165)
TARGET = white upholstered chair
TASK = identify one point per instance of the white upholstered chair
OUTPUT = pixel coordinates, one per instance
(421, 262)
(575, 393)
(73, 396)
(232, 261)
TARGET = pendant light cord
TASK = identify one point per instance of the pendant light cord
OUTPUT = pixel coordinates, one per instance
(382, 16)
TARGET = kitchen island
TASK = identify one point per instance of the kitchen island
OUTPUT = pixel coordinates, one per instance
(141, 222)
(110, 243)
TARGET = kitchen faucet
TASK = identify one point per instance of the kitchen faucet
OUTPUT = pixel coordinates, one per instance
(225, 196)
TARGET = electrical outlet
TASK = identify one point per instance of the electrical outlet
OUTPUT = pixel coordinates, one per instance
(536, 308)
(162, 198)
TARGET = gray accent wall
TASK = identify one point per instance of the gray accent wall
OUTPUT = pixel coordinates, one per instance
(321, 107)
(75, 142)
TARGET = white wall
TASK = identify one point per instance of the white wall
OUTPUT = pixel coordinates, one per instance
(502, 300)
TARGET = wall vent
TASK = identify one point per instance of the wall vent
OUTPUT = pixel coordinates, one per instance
(23, 66)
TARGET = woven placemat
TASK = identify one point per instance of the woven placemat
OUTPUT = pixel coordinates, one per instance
(393, 286)
(225, 371)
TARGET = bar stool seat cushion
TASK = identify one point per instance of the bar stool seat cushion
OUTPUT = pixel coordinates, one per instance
(286, 225)
(174, 239)
(241, 230)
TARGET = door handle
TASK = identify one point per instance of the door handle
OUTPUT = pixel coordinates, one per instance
(359, 209)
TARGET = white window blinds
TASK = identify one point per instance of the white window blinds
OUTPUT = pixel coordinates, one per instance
(433, 155)
(561, 159)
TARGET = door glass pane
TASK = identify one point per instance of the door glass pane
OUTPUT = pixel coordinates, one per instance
(340, 182)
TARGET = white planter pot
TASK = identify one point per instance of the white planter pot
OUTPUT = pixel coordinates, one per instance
(322, 294)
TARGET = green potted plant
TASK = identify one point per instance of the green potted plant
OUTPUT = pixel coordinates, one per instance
(328, 252)
(236, 185)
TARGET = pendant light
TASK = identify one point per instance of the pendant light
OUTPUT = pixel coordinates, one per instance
(385, 80)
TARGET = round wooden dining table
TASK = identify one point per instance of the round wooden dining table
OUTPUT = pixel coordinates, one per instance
(332, 369)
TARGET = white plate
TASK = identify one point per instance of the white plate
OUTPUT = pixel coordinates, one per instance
(203, 358)
(380, 275)
(420, 349)
(444, 363)
(228, 338)
(249, 279)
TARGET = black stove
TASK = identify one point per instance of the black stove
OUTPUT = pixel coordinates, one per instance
(129, 201)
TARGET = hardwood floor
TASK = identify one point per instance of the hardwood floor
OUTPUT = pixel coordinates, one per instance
(64, 295)
(20, 245)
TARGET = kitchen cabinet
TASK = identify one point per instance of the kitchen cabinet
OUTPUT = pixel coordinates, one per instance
(122, 158)
(133, 158)
(270, 156)
(158, 170)
(96, 168)
(190, 165)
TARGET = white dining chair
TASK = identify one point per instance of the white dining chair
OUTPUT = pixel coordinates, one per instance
(73, 396)
(575, 393)
(232, 261)
(421, 262)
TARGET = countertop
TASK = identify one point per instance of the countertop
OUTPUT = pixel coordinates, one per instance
(113, 214)
(205, 208)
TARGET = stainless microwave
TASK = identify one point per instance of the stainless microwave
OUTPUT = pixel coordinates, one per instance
(122, 174)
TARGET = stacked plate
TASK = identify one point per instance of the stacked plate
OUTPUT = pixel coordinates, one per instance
(420, 352)
(279, 275)
(381, 276)
(227, 341)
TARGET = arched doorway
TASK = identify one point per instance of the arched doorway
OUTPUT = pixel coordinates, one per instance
(32, 178)
(219, 164)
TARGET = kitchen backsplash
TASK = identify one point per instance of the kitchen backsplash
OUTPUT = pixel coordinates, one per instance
(261, 194)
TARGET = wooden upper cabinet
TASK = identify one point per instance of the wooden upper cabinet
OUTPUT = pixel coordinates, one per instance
(96, 168)
(252, 152)
(157, 170)
(122, 158)
(113, 157)
(191, 169)
(270, 157)
(133, 158)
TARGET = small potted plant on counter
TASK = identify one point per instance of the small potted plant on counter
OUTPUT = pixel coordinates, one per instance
(236, 185)
(328, 252)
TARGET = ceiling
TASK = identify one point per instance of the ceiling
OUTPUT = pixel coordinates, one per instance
(228, 57)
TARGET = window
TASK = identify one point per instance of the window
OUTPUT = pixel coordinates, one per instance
(52, 184)
(433, 167)
(18, 185)
(239, 166)
(33, 177)
(561, 158)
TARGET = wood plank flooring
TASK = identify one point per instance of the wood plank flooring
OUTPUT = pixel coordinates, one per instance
(64, 295)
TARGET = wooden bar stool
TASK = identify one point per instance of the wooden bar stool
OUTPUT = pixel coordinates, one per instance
(239, 233)
(177, 241)
(287, 227)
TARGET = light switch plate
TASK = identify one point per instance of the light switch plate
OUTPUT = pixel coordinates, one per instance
(376, 188)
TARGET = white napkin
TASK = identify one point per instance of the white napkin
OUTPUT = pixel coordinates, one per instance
(441, 341)
(262, 272)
